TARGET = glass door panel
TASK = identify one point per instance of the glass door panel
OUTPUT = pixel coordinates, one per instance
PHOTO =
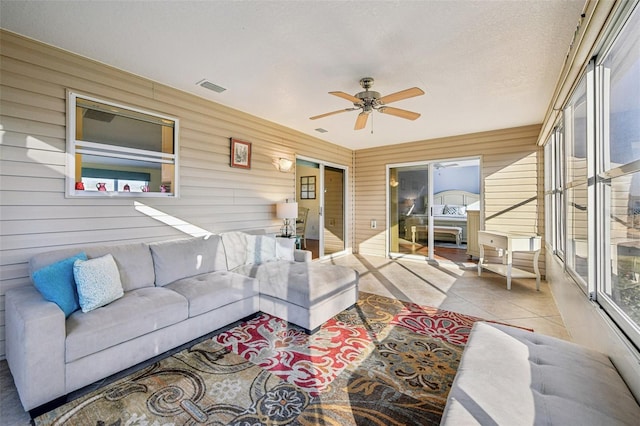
(408, 210)
(334, 207)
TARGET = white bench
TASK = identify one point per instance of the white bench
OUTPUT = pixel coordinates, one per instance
(456, 231)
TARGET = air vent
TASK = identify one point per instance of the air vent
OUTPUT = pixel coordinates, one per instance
(209, 85)
(321, 130)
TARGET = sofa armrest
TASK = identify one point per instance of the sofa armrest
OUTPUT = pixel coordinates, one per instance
(35, 346)
(302, 255)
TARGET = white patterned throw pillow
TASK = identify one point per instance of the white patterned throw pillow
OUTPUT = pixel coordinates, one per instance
(450, 210)
(260, 249)
(98, 282)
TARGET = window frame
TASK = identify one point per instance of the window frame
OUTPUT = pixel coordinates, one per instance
(600, 176)
(75, 146)
(605, 174)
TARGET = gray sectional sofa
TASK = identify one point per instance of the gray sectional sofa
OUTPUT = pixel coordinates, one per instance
(172, 292)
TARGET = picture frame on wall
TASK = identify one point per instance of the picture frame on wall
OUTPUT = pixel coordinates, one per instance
(307, 188)
(240, 154)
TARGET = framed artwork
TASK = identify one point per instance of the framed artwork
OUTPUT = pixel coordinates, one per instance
(307, 187)
(240, 154)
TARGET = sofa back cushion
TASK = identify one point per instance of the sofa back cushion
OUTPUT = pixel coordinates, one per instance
(134, 263)
(177, 259)
(133, 260)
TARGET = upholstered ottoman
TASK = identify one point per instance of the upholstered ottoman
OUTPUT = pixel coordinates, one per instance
(509, 376)
(304, 293)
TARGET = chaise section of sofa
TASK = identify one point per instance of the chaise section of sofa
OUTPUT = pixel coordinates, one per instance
(301, 292)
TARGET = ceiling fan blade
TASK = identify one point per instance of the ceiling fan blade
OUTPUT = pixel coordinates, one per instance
(361, 121)
(402, 113)
(346, 96)
(315, 117)
(403, 94)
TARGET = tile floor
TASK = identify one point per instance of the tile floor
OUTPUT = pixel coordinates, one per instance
(447, 285)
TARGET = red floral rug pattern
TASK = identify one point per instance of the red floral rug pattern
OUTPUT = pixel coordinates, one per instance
(312, 362)
(447, 326)
(308, 361)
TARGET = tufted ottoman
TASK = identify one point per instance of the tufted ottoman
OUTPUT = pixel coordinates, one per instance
(509, 376)
(304, 293)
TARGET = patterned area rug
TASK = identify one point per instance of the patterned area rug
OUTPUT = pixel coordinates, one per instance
(381, 362)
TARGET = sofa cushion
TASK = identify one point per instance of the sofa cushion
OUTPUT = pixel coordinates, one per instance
(512, 376)
(209, 291)
(56, 283)
(177, 259)
(136, 313)
(302, 283)
(98, 282)
(134, 262)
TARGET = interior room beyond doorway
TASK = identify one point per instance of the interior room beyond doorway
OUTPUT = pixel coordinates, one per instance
(445, 194)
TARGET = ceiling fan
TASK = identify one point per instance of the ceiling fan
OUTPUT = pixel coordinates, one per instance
(369, 100)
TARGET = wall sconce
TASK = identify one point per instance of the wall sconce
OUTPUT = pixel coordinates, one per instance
(287, 211)
(283, 164)
(393, 183)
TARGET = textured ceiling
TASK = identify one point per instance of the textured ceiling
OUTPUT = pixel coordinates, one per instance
(484, 65)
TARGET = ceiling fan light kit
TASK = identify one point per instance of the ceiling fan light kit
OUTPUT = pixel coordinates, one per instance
(369, 100)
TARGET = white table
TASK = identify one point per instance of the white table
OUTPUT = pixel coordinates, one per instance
(507, 243)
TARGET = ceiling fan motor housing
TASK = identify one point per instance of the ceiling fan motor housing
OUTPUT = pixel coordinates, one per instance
(369, 98)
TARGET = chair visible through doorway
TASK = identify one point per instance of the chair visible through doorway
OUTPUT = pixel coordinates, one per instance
(301, 225)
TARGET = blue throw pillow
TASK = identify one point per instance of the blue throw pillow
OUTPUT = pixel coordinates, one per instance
(56, 284)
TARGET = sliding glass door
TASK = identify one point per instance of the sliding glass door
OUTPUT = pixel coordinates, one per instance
(321, 194)
(427, 208)
(409, 216)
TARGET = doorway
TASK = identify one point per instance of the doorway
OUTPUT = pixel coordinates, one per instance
(321, 188)
(428, 205)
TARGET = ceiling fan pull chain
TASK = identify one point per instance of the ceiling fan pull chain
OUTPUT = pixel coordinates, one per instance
(371, 123)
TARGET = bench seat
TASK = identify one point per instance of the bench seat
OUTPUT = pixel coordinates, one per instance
(510, 376)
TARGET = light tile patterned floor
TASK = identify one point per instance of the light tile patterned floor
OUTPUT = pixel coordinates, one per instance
(451, 286)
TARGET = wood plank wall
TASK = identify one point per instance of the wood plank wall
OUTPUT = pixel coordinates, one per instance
(35, 216)
(512, 179)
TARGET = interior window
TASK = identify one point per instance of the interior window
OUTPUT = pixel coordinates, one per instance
(118, 150)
